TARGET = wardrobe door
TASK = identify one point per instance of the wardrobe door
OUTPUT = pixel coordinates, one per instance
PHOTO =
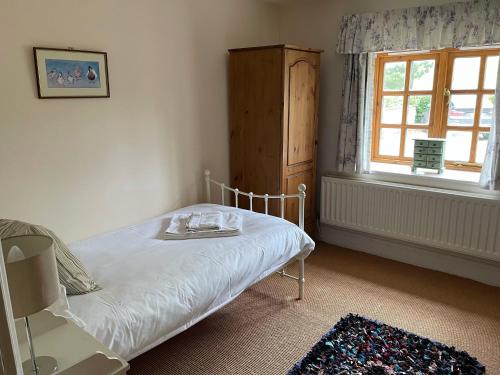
(300, 129)
(301, 112)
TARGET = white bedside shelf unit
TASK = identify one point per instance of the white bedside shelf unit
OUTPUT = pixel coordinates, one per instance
(76, 352)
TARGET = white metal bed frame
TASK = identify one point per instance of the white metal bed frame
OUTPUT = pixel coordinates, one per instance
(301, 196)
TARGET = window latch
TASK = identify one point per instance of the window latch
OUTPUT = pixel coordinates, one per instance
(447, 93)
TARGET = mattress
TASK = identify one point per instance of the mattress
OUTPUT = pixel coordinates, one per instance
(153, 289)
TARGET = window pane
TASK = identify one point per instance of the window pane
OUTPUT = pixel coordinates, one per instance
(490, 75)
(458, 145)
(392, 109)
(412, 134)
(422, 75)
(461, 110)
(394, 76)
(465, 73)
(419, 108)
(487, 104)
(389, 141)
(482, 143)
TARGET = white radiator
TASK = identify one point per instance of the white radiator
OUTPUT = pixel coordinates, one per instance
(438, 218)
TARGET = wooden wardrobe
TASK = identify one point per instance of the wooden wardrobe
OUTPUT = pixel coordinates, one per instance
(274, 94)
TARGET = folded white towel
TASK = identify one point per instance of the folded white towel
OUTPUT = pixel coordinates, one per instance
(232, 225)
(204, 220)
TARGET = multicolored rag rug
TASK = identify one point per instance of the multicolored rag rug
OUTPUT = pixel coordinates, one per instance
(358, 346)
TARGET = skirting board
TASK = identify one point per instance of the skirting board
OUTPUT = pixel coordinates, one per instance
(484, 271)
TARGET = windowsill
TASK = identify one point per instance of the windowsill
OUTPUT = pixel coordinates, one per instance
(425, 179)
(448, 174)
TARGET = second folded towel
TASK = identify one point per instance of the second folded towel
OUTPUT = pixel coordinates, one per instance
(212, 220)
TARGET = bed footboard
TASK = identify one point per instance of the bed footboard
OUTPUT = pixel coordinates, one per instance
(301, 196)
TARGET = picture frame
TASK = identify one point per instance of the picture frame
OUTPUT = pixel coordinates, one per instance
(70, 73)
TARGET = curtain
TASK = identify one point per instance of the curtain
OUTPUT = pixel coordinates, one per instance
(351, 91)
(355, 129)
(490, 173)
(464, 24)
(366, 116)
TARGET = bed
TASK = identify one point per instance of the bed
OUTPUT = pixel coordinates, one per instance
(153, 289)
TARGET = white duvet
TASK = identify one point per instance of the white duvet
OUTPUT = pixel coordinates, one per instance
(153, 289)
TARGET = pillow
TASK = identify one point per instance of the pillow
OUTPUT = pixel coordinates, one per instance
(72, 273)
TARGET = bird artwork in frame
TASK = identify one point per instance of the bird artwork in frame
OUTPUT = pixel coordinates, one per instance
(69, 73)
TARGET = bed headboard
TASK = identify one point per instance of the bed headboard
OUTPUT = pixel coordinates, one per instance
(301, 196)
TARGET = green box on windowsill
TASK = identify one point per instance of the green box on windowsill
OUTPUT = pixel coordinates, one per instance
(429, 153)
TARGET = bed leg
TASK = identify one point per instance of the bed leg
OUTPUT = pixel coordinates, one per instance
(301, 278)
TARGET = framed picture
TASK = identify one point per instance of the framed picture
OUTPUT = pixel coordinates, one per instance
(69, 73)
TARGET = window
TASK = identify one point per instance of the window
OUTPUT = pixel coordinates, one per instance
(439, 94)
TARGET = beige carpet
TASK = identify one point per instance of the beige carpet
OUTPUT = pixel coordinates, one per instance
(265, 330)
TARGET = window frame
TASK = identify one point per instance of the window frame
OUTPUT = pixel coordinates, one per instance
(480, 92)
(438, 116)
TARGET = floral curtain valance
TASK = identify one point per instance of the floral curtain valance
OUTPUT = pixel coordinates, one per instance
(465, 24)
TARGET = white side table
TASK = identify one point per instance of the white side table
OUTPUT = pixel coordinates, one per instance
(76, 352)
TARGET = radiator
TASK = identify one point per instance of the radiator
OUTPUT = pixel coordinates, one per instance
(467, 224)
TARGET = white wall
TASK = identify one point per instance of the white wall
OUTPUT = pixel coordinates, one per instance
(316, 23)
(84, 166)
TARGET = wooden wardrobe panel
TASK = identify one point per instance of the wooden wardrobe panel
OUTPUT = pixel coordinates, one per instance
(301, 111)
(292, 207)
(301, 91)
(256, 87)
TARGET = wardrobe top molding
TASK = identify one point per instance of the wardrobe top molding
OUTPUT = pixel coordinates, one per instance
(285, 46)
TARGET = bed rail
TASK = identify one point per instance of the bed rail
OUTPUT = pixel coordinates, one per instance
(301, 196)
